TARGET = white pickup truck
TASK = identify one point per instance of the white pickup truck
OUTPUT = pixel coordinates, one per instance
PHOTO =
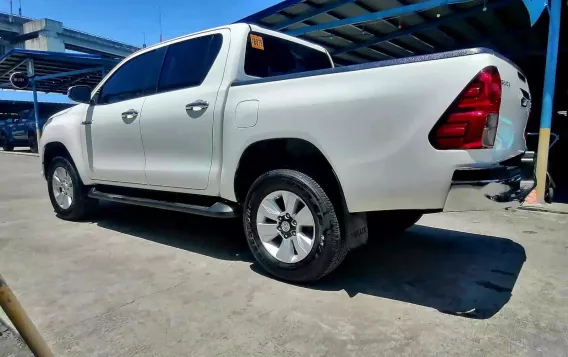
(240, 120)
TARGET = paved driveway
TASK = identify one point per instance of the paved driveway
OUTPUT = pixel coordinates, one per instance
(142, 282)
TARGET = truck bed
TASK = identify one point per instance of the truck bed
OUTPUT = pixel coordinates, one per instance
(381, 113)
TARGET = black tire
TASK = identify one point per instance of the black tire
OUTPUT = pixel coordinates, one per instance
(32, 142)
(329, 248)
(391, 221)
(6, 146)
(82, 206)
(548, 191)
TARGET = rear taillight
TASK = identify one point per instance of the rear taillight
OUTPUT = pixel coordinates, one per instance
(471, 121)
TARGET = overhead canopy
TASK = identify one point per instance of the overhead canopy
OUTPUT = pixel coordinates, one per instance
(357, 31)
(55, 72)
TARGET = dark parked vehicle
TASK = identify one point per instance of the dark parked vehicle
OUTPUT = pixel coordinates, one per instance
(20, 132)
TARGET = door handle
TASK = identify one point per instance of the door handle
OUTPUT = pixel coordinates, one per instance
(197, 105)
(130, 114)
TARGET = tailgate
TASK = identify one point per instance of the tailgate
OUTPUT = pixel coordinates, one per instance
(513, 114)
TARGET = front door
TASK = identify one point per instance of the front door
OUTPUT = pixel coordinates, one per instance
(113, 144)
(177, 122)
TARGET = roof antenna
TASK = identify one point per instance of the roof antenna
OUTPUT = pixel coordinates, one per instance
(144, 43)
(11, 19)
(160, 11)
(20, 9)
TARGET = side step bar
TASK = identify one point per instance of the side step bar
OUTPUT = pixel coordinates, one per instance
(218, 209)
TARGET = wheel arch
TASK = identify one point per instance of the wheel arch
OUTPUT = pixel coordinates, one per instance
(287, 153)
(52, 150)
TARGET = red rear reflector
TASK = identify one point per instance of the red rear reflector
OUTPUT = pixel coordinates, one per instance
(471, 121)
(452, 130)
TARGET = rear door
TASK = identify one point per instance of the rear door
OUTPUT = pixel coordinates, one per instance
(177, 122)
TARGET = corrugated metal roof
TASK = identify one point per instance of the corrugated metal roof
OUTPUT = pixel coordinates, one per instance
(502, 25)
(47, 63)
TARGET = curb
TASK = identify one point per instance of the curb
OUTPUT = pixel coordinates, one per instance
(19, 153)
(542, 208)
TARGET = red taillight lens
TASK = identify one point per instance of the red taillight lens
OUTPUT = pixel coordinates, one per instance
(471, 121)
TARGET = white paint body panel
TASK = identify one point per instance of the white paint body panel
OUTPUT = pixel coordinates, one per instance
(372, 125)
(65, 128)
(112, 146)
(178, 144)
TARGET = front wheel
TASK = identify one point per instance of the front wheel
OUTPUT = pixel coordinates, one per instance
(66, 191)
(292, 228)
(6, 146)
(32, 142)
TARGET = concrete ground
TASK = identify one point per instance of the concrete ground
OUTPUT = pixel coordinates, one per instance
(141, 282)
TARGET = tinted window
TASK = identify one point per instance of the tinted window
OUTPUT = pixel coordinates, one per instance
(187, 63)
(136, 78)
(272, 56)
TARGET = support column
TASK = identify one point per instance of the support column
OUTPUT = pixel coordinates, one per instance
(548, 98)
(22, 322)
(47, 35)
(36, 111)
(31, 74)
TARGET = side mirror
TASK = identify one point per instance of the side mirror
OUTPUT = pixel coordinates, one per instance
(80, 94)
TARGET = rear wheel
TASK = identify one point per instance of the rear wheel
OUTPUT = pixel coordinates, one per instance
(67, 193)
(292, 228)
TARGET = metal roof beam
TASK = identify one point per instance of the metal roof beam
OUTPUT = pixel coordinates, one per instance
(255, 18)
(368, 31)
(310, 14)
(392, 24)
(73, 81)
(424, 18)
(421, 27)
(66, 74)
(14, 67)
(379, 15)
(333, 33)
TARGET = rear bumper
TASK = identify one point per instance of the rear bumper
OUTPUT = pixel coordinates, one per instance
(504, 186)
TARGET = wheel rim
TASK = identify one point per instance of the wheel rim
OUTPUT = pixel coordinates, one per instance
(286, 226)
(62, 186)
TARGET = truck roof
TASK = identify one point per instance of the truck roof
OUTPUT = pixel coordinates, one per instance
(255, 28)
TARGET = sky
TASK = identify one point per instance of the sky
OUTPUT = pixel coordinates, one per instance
(128, 20)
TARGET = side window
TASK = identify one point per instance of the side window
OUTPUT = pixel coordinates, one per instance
(187, 63)
(271, 56)
(136, 78)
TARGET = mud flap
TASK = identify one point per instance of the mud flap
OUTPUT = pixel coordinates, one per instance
(356, 228)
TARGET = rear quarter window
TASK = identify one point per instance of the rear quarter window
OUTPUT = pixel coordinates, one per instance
(268, 56)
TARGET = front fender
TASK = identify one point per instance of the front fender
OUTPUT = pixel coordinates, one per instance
(66, 130)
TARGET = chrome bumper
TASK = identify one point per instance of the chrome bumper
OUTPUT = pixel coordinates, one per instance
(487, 189)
